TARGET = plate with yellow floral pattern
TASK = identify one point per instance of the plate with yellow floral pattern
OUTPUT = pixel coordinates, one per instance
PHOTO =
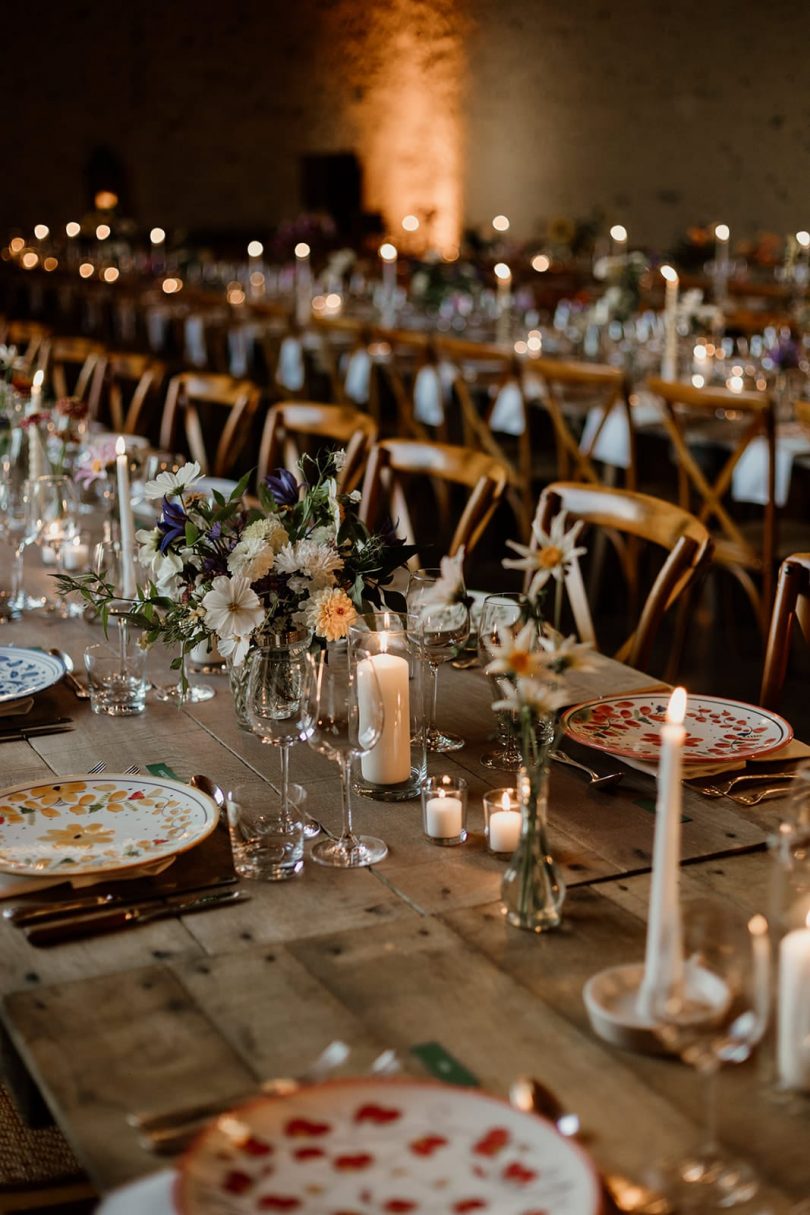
(95, 824)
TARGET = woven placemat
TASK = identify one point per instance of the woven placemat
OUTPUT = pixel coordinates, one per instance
(31, 1156)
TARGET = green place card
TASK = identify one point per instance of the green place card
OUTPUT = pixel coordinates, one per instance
(436, 1060)
(162, 770)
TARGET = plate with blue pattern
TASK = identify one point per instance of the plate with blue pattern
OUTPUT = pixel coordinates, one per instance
(25, 672)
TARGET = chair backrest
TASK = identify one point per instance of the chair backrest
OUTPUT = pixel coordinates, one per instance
(573, 392)
(186, 393)
(288, 421)
(71, 353)
(445, 464)
(31, 339)
(625, 513)
(733, 421)
(792, 603)
(129, 381)
(802, 411)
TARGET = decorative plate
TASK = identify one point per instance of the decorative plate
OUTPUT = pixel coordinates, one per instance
(373, 1147)
(95, 824)
(716, 729)
(24, 672)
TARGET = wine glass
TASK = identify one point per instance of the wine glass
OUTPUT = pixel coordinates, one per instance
(715, 1013)
(342, 716)
(442, 629)
(53, 520)
(499, 613)
(273, 705)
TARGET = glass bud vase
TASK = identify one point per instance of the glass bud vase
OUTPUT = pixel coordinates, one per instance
(533, 890)
(289, 645)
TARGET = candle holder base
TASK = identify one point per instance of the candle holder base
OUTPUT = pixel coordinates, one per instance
(450, 841)
(611, 1000)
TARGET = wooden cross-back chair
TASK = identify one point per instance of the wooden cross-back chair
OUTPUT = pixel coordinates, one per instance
(31, 340)
(130, 381)
(392, 459)
(78, 357)
(791, 604)
(639, 517)
(184, 396)
(571, 389)
(289, 421)
(802, 411)
(733, 420)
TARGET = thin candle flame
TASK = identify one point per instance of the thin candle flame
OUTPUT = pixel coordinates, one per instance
(669, 273)
(120, 446)
(506, 802)
(758, 925)
(676, 710)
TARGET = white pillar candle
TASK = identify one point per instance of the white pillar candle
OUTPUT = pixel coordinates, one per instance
(793, 1029)
(669, 362)
(126, 520)
(503, 277)
(443, 817)
(504, 830)
(663, 963)
(303, 284)
(389, 760)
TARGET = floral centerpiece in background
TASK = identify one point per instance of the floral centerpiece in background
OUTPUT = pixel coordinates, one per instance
(300, 562)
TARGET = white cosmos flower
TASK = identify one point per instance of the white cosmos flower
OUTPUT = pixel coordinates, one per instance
(164, 567)
(339, 458)
(518, 654)
(550, 554)
(232, 607)
(166, 484)
(540, 697)
(235, 647)
(449, 587)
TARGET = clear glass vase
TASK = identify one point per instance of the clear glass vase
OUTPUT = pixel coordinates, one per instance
(533, 890)
(290, 645)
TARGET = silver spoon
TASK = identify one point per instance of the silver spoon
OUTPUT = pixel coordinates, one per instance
(71, 680)
(595, 779)
(206, 785)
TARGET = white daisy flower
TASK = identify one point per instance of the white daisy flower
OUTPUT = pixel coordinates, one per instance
(309, 560)
(518, 654)
(565, 654)
(550, 554)
(542, 698)
(166, 484)
(232, 607)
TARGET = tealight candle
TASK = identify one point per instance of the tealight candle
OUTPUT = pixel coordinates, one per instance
(502, 820)
(444, 809)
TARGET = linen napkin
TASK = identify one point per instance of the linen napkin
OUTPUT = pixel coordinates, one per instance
(749, 481)
(290, 370)
(12, 886)
(357, 382)
(17, 708)
(428, 403)
(508, 415)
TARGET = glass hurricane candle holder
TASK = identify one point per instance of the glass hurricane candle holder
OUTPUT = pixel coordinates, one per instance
(444, 810)
(502, 821)
(393, 770)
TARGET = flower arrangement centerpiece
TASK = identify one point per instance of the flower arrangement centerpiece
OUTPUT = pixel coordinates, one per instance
(530, 663)
(298, 563)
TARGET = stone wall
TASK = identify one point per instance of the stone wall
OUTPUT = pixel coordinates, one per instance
(657, 113)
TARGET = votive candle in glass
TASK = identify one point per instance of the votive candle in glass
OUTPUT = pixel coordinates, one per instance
(502, 820)
(444, 810)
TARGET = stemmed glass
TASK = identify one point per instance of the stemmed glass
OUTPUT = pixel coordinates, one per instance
(52, 519)
(442, 629)
(717, 1013)
(500, 612)
(341, 718)
(273, 706)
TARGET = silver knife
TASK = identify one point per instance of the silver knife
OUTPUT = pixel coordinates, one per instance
(129, 917)
(52, 727)
(25, 914)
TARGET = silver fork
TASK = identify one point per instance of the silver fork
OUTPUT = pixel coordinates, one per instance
(99, 767)
(748, 778)
(761, 795)
(594, 778)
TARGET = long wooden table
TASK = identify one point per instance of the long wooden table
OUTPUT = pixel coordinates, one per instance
(415, 950)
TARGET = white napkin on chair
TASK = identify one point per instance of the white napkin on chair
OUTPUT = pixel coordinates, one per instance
(196, 353)
(290, 370)
(428, 396)
(750, 477)
(157, 322)
(508, 415)
(357, 382)
(238, 346)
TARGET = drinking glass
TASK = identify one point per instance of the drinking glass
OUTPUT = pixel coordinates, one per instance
(116, 678)
(342, 717)
(53, 520)
(442, 629)
(502, 612)
(18, 531)
(273, 705)
(267, 842)
(716, 1013)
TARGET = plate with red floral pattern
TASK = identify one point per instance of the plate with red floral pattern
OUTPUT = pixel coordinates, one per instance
(716, 729)
(384, 1147)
